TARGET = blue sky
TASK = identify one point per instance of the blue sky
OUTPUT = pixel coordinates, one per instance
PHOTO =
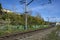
(47, 10)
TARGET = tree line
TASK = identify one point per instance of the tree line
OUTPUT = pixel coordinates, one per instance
(16, 19)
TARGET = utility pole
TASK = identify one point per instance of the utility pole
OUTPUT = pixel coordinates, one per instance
(26, 14)
(26, 4)
(48, 20)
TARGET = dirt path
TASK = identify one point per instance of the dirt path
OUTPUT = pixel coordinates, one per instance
(40, 35)
(37, 35)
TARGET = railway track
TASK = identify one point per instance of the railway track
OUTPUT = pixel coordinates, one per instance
(22, 35)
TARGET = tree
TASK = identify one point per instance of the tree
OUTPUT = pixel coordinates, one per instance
(0, 8)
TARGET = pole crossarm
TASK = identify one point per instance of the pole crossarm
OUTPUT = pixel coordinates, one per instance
(23, 2)
(30, 2)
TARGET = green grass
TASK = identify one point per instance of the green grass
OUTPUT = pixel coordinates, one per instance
(9, 29)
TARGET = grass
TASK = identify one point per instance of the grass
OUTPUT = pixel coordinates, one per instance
(53, 35)
(9, 29)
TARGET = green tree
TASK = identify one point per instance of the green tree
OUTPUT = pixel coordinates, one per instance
(0, 8)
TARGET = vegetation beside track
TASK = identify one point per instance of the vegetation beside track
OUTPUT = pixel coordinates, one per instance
(9, 29)
(54, 35)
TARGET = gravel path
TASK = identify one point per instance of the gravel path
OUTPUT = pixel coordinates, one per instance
(37, 35)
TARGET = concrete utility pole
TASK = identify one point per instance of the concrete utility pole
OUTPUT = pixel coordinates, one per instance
(48, 20)
(25, 9)
(26, 14)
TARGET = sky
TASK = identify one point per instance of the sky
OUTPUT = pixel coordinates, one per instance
(41, 7)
